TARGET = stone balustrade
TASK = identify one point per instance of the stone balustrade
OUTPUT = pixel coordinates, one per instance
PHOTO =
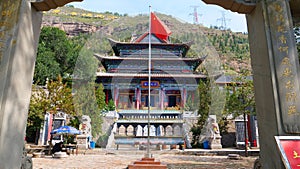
(138, 130)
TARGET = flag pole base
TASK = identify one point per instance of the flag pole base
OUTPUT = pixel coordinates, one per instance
(148, 155)
(147, 163)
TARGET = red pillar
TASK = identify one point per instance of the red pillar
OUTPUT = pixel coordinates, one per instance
(138, 98)
(50, 122)
(183, 101)
(162, 98)
(106, 96)
(249, 130)
(116, 96)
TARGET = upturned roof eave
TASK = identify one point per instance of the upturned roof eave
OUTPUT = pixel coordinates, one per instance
(101, 57)
(114, 43)
(154, 75)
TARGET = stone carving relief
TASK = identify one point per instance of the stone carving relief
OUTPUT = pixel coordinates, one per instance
(169, 130)
(122, 130)
(130, 130)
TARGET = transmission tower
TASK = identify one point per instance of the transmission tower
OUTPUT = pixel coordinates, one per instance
(195, 14)
(223, 20)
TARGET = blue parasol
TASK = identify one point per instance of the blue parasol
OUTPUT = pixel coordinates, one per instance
(65, 130)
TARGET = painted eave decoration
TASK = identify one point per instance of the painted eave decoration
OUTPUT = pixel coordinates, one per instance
(46, 5)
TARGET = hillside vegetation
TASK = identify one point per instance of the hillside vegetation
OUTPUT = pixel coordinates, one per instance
(224, 49)
(71, 14)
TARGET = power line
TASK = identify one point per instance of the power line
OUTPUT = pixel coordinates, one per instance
(223, 20)
(195, 14)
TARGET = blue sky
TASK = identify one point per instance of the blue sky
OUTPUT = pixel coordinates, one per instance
(208, 14)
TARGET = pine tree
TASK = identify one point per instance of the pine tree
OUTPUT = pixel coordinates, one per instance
(86, 100)
(203, 111)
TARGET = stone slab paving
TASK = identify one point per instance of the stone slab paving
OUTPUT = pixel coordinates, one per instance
(120, 160)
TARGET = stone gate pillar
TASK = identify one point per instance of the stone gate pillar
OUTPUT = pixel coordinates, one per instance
(20, 24)
(275, 70)
(19, 33)
(275, 67)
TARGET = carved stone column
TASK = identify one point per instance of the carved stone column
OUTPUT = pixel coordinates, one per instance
(19, 33)
(20, 25)
(276, 76)
(275, 70)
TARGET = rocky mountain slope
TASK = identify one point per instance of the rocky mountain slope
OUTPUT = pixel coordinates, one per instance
(227, 51)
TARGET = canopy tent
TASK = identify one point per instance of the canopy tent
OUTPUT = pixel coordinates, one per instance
(65, 130)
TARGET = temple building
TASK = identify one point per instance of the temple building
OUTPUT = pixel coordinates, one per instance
(173, 82)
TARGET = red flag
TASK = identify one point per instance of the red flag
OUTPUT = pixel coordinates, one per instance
(159, 28)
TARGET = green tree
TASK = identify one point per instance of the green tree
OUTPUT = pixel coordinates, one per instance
(57, 54)
(203, 111)
(59, 97)
(100, 96)
(189, 104)
(192, 102)
(37, 110)
(218, 101)
(46, 66)
(111, 105)
(240, 98)
(86, 66)
(77, 44)
(86, 101)
(57, 41)
(55, 97)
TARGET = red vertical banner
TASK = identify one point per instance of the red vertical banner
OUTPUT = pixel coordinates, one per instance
(106, 97)
(50, 122)
(289, 147)
(138, 98)
(249, 130)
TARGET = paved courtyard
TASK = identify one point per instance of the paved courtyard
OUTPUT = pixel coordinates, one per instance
(121, 159)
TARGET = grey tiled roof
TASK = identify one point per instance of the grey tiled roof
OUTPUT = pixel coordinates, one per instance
(225, 79)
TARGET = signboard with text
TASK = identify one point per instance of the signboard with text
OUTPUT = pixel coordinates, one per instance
(289, 147)
(153, 84)
(286, 64)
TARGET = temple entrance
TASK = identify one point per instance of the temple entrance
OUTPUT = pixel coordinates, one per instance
(172, 101)
(152, 101)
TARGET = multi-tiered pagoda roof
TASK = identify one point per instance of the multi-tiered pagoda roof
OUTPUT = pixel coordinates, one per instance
(173, 80)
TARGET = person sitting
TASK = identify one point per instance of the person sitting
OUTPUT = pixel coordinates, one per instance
(57, 147)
